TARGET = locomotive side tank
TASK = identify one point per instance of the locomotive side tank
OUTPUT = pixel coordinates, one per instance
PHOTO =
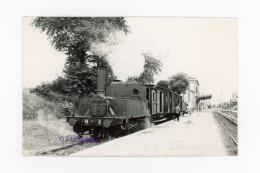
(129, 99)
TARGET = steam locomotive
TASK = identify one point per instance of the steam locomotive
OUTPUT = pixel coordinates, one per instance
(122, 108)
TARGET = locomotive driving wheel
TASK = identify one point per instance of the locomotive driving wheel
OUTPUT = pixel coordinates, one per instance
(131, 128)
(78, 128)
(95, 134)
(80, 135)
(107, 136)
(143, 123)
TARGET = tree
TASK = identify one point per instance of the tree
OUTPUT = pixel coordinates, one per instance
(75, 36)
(163, 83)
(179, 82)
(80, 39)
(152, 67)
(133, 79)
(83, 79)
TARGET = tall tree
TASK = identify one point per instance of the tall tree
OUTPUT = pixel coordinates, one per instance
(79, 38)
(75, 36)
(179, 82)
(152, 67)
(82, 79)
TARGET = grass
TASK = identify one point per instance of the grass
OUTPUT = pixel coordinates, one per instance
(43, 124)
(41, 136)
(33, 105)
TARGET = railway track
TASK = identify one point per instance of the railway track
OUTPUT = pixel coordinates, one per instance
(226, 116)
(81, 145)
(228, 125)
(72, 148)
(50, 152)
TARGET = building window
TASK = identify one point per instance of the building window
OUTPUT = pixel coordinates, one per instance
(147, 94)
(161, 102)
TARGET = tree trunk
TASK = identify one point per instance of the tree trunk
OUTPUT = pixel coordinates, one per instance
(81, 56)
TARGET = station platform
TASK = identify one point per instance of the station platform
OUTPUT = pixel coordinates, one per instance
(195, 135)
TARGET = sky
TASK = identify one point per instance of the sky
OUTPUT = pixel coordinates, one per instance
(203, 48)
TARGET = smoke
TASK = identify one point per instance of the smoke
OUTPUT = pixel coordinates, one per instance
(113, 36)
(45, 117)
(124, 53)
(124, 57)
(101, 49)
(127, 60)
(50, 122)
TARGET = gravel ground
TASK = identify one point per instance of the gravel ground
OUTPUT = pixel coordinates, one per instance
(231, 147)
(230, 126)
(195, 135)
(229, 114)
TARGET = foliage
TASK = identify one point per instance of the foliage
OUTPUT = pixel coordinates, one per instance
(77, 80)
(179, 82)
(225, 105)
(33, 103)
(152, 67)
(133, 79)
(82, 79)
(76, 37)
(163, 83)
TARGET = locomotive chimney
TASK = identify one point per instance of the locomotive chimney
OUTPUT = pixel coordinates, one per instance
(101, 81)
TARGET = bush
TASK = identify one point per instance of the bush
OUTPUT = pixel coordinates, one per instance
(33, 105)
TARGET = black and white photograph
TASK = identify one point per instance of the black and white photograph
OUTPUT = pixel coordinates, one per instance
(129, 86)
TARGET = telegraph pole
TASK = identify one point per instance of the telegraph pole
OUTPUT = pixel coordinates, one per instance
(221, 100)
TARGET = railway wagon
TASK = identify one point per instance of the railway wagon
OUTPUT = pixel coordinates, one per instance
(161, 102)
(122, 108)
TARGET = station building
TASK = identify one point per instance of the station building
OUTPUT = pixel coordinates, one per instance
(233, 100)
(192, 95)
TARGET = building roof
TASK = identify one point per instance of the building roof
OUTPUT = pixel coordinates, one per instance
(193, 79)
(204, 97)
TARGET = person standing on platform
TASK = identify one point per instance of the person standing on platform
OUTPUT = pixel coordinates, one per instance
(189, 109)
(178, 112)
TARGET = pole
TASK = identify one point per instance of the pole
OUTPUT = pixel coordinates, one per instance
(221, 100)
